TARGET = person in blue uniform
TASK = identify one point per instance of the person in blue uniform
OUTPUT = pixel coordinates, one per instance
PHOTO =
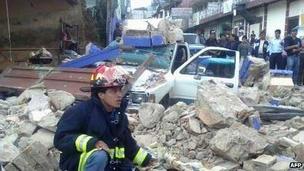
(93, 135)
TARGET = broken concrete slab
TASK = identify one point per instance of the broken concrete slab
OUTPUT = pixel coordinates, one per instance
(37, 102)
(12, 101)
(258, 69)
(17, 110)
(299, 137)
(145, 140)
(179, 107)
(49, 122)
(150, 114)
(226, 166)
(8, 151)
(26, 128)
(60, 99)
(23, 142)
(281, 166)
(3, 112)
(287, 142)
(299, 151)
(194, 125)
(265, 160)
(249, 165)
(296, 122)
(4, 105)
(171, 117)
(35, 157)
(43, 136)
(10, 167)
(218, 107)
(238, 142)
(249, 95)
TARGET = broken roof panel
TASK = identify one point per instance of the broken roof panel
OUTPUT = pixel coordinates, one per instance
(67, 79)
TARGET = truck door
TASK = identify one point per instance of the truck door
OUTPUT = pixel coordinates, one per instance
(218, 64)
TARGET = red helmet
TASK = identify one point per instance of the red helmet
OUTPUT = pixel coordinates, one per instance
(109, 76)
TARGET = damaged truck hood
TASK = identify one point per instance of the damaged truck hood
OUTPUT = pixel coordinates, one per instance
(149, 79)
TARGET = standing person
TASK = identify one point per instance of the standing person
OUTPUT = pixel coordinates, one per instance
(244, 48)
(260, 49)
(233, 42)
(275, 51)
(292, 46)
(223, 41)
(252, 39)
(212, 39)
(201, 36)
(94, 134)
(117, 31)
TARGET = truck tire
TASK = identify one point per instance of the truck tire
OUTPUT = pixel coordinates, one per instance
(165, 101)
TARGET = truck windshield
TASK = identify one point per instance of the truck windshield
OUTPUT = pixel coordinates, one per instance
(139, 55)
(212, 66)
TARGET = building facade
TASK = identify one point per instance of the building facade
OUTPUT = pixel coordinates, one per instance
(243, 17)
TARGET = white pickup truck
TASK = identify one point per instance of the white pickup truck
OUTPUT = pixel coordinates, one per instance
(174, 74)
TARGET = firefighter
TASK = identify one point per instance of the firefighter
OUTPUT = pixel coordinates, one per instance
(93, 135)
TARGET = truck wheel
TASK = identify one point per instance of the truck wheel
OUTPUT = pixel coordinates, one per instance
(165, 101)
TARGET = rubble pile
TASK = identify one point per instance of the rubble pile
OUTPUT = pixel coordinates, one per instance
(27, 126)
(215, 133)
(179, 137)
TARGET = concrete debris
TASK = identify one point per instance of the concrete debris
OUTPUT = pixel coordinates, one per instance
(265, 160)
(280, 166)
(208, 135)
(60, 99)
(23, 142)
(218, 107)
(287, 142)
(12, 101)
(296, 122)
(145, 140)
(17, 110)
(299, 137)
(171, 117)
(195, 126)
(150, 114)
(226, 166)
(50, 121)
(4, 105)
(258, 70)
(299, 151)
(38, 103)
(34, 157)
(26, 128)
(8, 152)
(238, 142)
(45, 137)
(249, 95)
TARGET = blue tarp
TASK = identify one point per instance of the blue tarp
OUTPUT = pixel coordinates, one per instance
(95, 55)
(144, 41)
(137, 41)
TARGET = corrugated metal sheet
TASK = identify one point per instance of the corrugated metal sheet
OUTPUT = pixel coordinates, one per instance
(67, 79)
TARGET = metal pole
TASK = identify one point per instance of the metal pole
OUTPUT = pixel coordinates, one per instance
(108, 21)
(9, 32)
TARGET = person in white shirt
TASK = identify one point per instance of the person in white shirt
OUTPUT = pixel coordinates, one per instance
(260, 49)
(275, 49)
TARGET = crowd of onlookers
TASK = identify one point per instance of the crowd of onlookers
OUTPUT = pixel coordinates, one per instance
(282, 53)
